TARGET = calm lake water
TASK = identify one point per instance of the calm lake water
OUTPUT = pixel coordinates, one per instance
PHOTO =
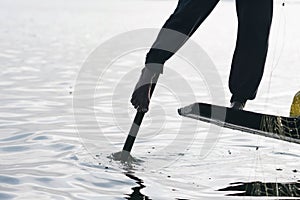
(53, 148)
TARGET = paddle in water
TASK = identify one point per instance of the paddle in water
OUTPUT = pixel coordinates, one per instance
(145, 86)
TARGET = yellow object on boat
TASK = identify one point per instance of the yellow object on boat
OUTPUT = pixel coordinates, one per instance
(295, 107)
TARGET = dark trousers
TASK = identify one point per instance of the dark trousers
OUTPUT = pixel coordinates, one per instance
(254, 22)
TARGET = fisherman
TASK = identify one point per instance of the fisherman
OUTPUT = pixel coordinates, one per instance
(254, 22)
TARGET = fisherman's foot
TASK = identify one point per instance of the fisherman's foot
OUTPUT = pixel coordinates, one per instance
(237, 105)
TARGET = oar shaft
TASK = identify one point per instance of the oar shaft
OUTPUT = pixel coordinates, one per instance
(134, 131)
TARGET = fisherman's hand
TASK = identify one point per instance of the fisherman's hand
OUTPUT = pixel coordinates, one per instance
(141, 98)
(142, 93)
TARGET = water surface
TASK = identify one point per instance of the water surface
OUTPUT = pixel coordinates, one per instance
(43, 46)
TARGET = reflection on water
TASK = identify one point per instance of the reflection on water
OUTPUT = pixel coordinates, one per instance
(136, 194)
(291, 189)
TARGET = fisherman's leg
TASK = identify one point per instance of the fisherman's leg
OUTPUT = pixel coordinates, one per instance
(254, 22)
(185, 20)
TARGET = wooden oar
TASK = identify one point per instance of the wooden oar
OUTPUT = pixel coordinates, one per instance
(131, 136)
(124, 155)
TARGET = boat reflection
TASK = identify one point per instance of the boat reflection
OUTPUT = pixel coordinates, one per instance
(290, 189)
